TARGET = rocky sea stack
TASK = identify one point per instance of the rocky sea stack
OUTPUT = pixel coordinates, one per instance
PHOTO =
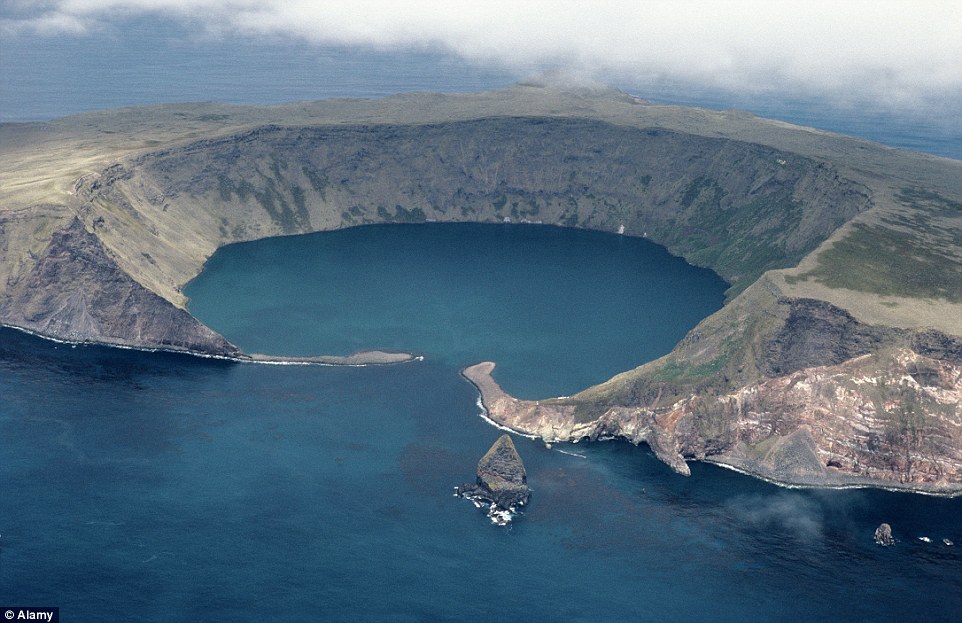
(883, 535)
(502, 484)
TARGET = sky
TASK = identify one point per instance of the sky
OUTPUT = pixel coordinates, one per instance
(886, 70)
(902, 52)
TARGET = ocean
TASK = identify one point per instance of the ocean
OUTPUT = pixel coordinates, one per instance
(161, 487)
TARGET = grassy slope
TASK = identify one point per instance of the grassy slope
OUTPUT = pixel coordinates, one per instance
(900, 264)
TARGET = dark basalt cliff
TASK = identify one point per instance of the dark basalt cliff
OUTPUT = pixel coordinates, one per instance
(736, 207)
(835, 361)
(76, 292)
(502, 483)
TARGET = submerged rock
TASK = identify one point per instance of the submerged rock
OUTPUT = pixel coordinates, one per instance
(883, 535)
(502, 484)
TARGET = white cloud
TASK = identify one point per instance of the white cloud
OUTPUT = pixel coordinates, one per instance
(46, 24)
(878, 48)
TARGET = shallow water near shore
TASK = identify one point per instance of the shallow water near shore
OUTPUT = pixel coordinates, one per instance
(160, 487)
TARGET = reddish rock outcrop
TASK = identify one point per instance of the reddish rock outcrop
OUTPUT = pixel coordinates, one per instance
(891, 418)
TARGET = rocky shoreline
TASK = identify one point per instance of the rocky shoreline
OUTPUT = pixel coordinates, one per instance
(795, 457)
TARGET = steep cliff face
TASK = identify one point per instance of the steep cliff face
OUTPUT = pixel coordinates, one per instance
(680, 190)
(76, 292)
(888, 417)
(502, 480)
(831, 402)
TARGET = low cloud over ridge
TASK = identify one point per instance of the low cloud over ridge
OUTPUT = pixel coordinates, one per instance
(899, 51)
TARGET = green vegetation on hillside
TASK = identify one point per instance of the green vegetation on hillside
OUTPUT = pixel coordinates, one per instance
(745, 240)
(401, 215)
(911, 253)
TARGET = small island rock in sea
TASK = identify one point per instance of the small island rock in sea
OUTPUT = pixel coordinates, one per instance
(883, 535)
(501, 485)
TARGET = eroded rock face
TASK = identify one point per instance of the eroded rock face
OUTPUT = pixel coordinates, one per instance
(501, 472)
(793, 390)
(883, 535)
(502, 483)
(817, 333)
(886, 419)
(894, 418)
(77, 292)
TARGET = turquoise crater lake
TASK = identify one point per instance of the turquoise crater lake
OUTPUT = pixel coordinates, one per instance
(558, 309)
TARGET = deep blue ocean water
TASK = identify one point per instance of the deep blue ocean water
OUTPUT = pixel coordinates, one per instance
(160, 487)
(157, 487)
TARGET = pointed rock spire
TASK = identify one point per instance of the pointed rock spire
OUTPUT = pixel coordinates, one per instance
(502, 482)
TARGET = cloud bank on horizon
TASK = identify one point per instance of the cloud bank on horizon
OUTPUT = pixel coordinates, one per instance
(898, 51)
